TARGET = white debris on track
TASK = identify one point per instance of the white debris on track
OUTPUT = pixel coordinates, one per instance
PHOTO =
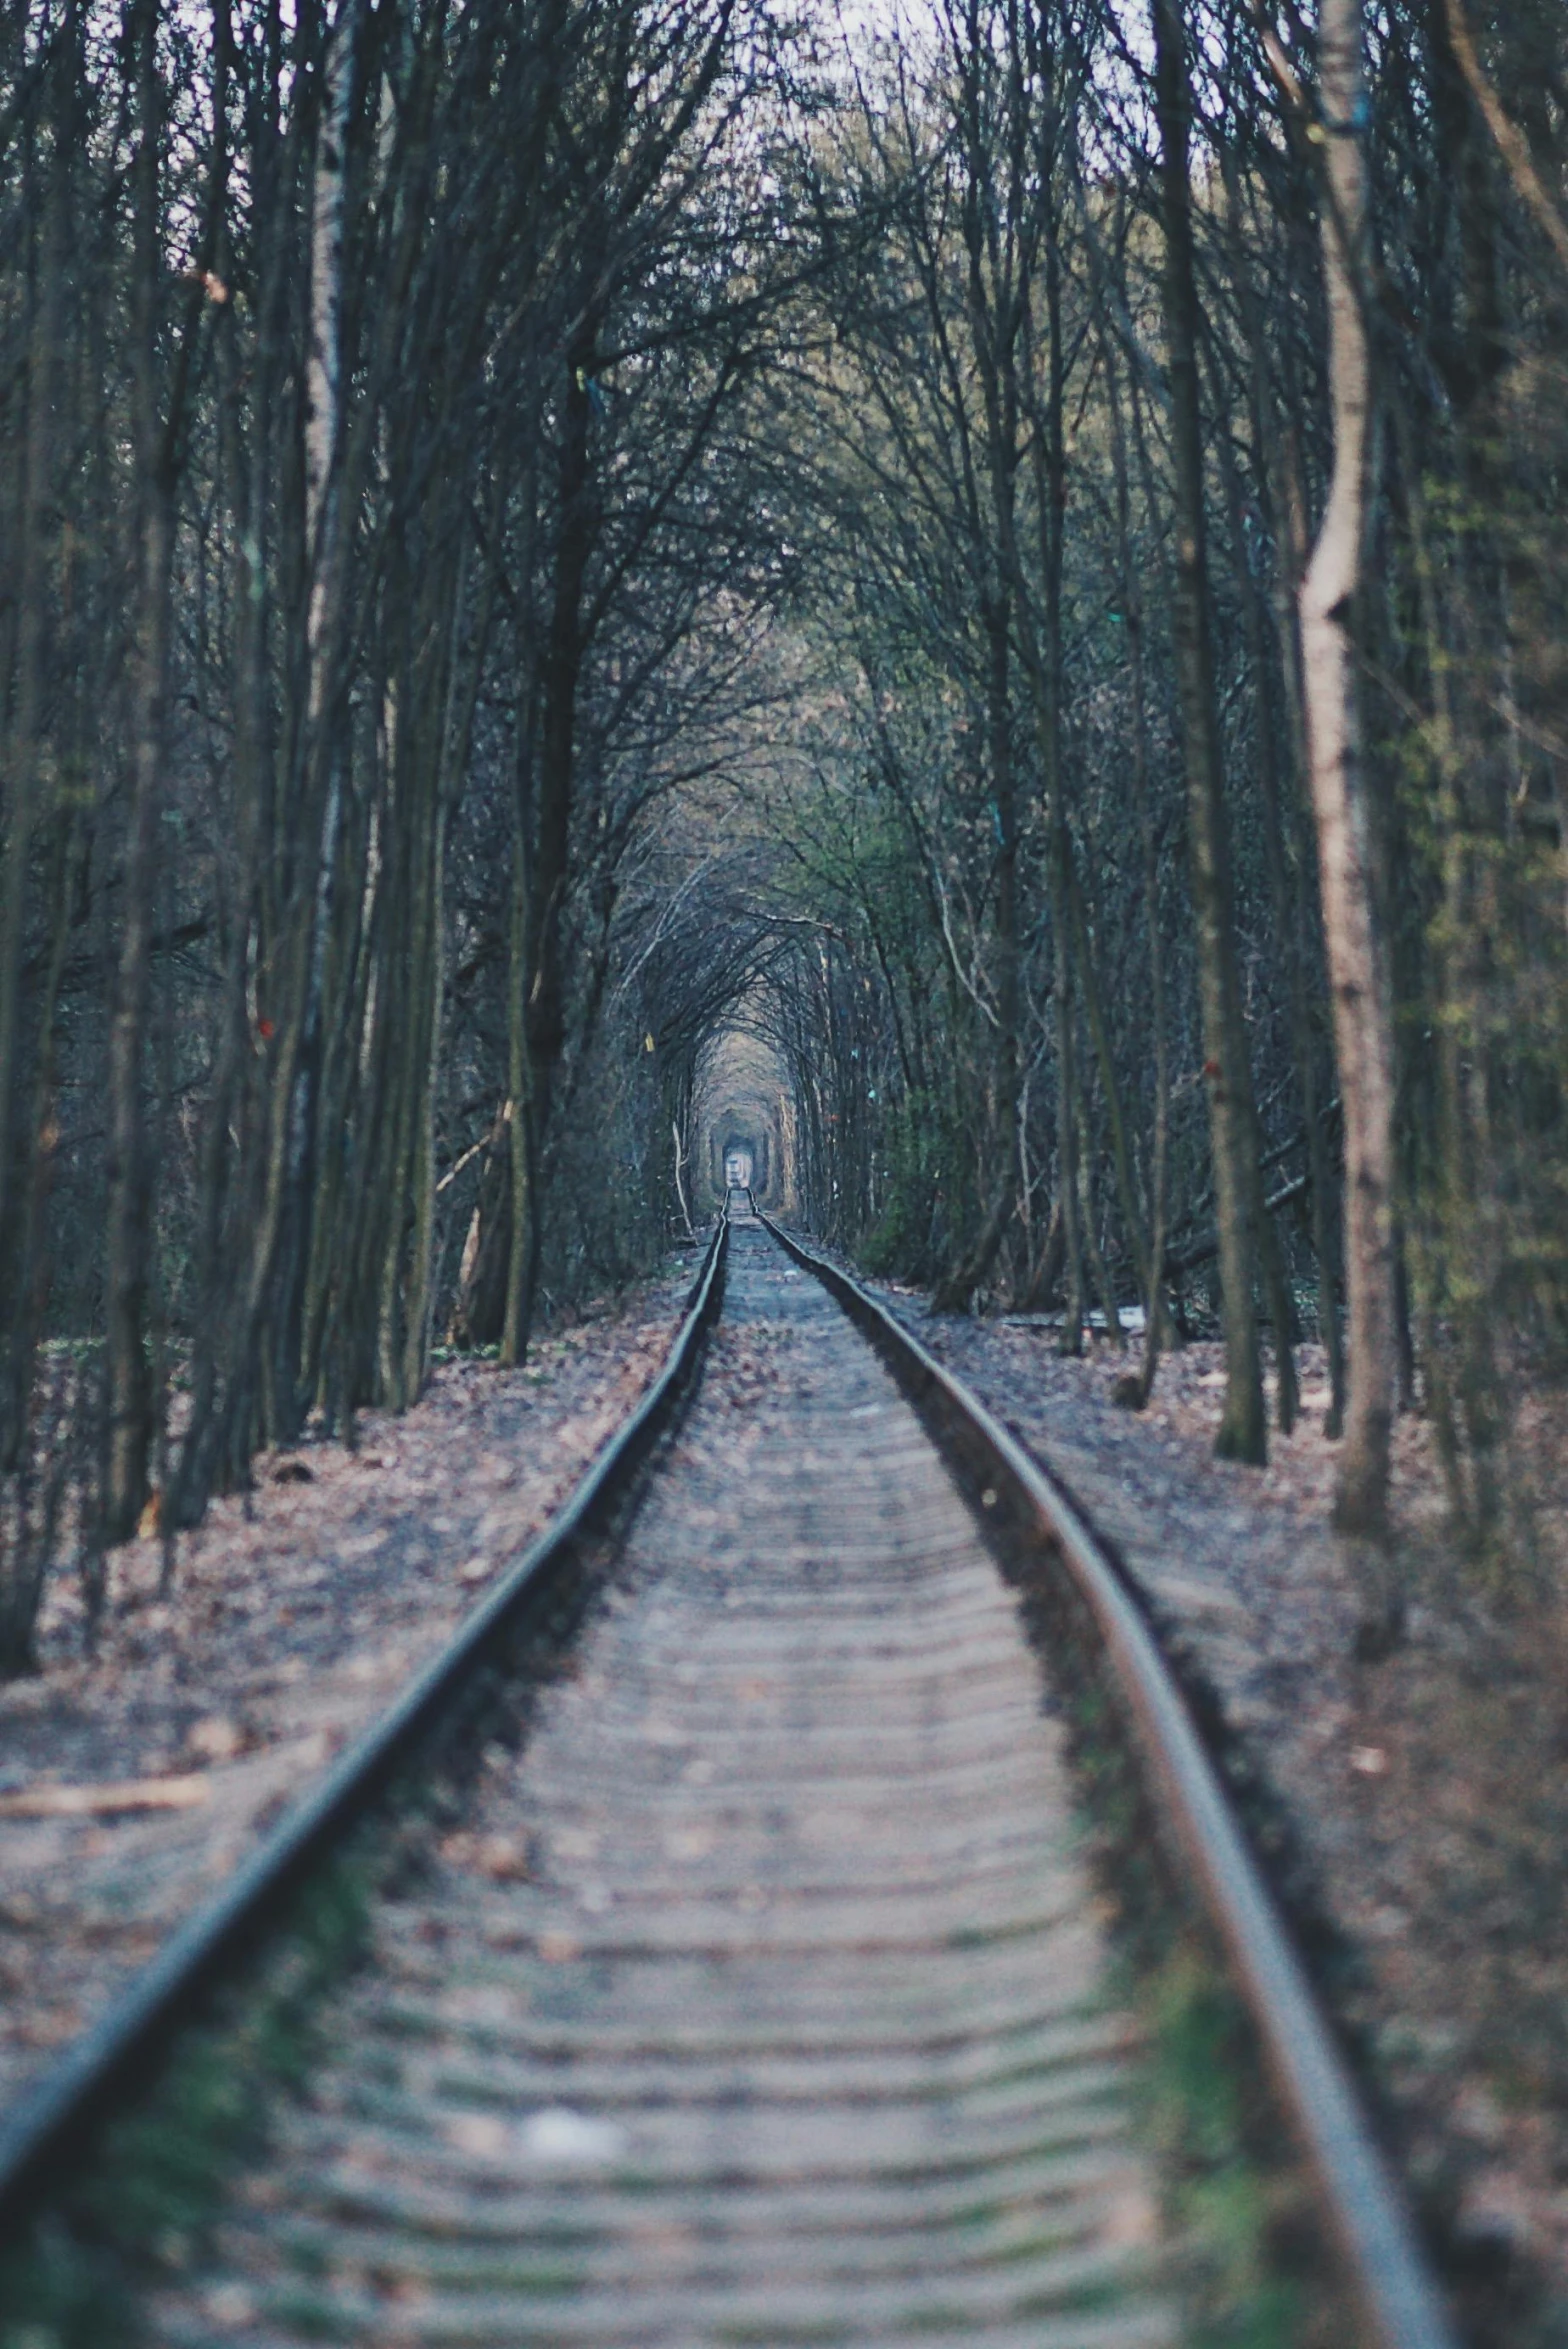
(133, 1781)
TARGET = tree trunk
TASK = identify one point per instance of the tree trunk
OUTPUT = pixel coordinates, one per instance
(1043, 666)
(324, 556)
(20, 797)
(1358, 979)
(515, 1209)
(954, 1293)
(129, 1391)
(1243, 1433)
(1136, 1388)
(1275, 468)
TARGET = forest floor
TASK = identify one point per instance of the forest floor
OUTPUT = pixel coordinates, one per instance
(1417, 1807)
(133, 1779)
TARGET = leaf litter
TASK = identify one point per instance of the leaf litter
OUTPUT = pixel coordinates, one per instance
(1412, 1812)
(134, 1779)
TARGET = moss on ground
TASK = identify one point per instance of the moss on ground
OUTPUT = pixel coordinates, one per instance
(158, 2175)
(1247, 2251)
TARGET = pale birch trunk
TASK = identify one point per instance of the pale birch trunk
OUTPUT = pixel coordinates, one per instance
(1358, 978)
(324, 361)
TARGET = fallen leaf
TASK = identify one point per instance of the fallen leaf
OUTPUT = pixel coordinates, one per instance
(478, 2133)
(88, 1802)
(229, 2305)
(503, 1857)
(690, 1843)
(574, 2139)
(51, 2027)
(215, 1740)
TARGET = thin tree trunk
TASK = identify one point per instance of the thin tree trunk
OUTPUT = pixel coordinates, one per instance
(1096, 1254)
(129, 1391)
(1281, 1311)
(213, 1262)
(954, 1294)
(1100, 1037)
(20, 799)
(1243, 1433)
(517, 1302)
(323, 758)
(564, 649)
(1276, 471)
(1363, 1027)
(1043, 668)
(1136, 1388)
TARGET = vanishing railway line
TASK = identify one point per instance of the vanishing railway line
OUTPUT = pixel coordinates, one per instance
(764, 1994)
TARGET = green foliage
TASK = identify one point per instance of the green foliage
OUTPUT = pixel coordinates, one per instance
(917, 1174)
(1226, 2205)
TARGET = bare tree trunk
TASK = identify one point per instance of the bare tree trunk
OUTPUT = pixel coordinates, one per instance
(1276, 1286)
(563, 659)
(1136, 1387)
(1105, 1060)
(680, 1188)
(515, 1212)
(20, 796)
(129, 1396)
(955, 1292)
(1358, 977)
(214, 1264)
(1043, 669)
(1275, 471)
(324, 557)
(1243, 1433)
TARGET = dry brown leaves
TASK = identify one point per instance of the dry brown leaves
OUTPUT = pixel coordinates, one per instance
(1428, 1793)
(133, 1781)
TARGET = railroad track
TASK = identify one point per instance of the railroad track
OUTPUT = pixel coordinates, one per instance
(763, 1993)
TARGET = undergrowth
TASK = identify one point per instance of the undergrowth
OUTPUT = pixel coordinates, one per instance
(1245, 2243)
(151, 2190)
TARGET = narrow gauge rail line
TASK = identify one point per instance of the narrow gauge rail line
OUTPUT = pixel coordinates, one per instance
(797, 2027)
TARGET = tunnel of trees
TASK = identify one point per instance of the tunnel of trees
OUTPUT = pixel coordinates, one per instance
(973, 600)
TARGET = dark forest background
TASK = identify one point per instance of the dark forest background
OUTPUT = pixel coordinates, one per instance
(1015, 556)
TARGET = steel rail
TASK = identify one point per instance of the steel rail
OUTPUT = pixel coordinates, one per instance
(50, 2123)
(1370, 2223)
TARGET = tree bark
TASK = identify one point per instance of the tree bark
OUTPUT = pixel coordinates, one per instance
(1243, 1433)
(129, 1391)
(324, 556)
(1135, 1389)
(1357, 960)
(21, 798)
(1275, 471)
